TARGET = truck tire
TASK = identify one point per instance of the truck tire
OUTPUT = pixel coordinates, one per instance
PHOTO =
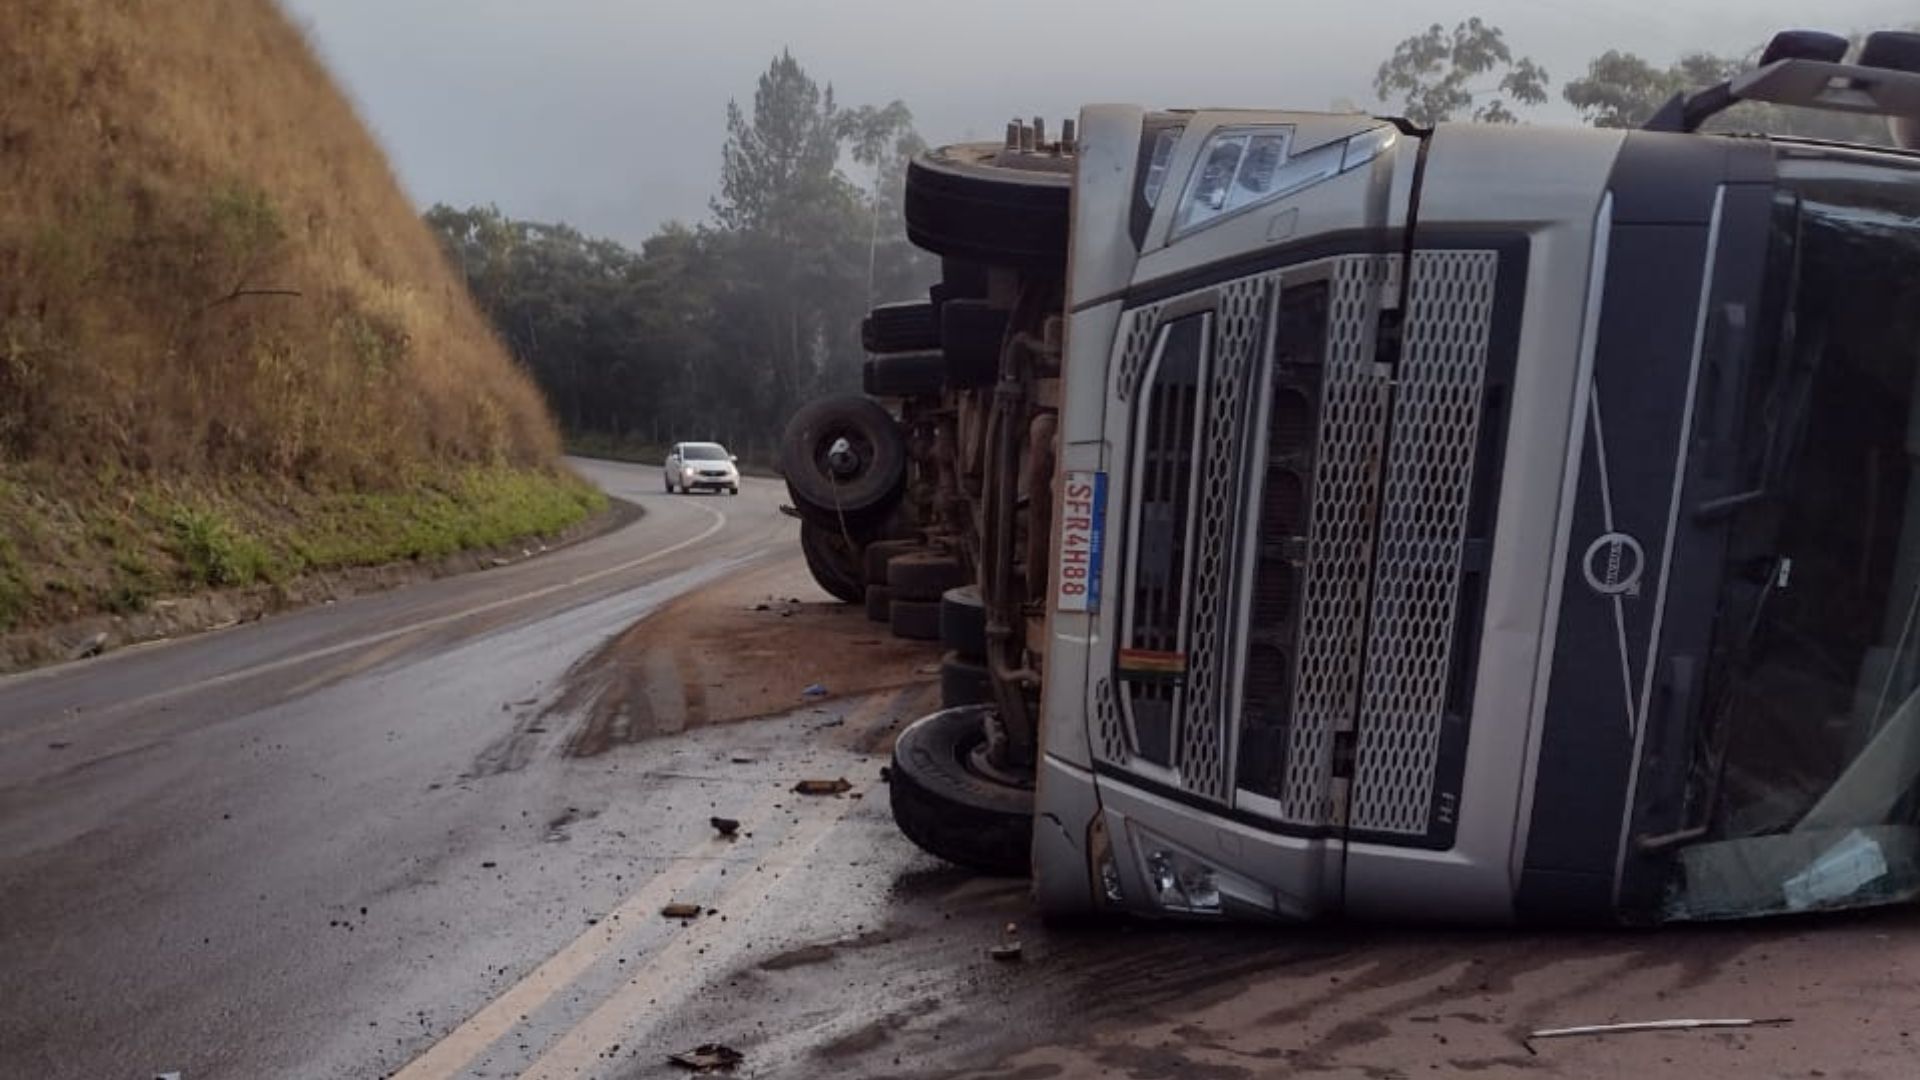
(925, 575)
(951, 809)
(831, 562)
(909, 326)
(907, 374)
(881, 552)
(868, 478)
(963, 622)
(879, 604)
(964, 682)
(914, 620)
(970, 337)
(981, 203)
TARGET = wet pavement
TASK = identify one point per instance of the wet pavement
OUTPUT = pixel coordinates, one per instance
(351, 842)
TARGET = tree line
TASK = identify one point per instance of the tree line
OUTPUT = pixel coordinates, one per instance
(720, 330)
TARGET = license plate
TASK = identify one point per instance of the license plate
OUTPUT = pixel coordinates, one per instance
(1083, 513)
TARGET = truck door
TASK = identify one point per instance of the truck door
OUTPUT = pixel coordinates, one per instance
(1247, 427)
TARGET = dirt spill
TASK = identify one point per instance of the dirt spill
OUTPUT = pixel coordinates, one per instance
(746, 648)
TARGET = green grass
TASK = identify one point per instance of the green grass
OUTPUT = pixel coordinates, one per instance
(109, 543)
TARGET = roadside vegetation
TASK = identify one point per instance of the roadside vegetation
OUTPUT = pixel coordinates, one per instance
(229, 350)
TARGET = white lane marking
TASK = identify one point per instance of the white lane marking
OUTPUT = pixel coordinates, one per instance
(672, 967)
(457, 1049)
(719, 522)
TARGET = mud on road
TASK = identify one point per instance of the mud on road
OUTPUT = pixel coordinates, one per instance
(751, 646)
(871, 959)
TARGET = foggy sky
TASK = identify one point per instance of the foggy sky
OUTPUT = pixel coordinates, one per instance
(608, 114)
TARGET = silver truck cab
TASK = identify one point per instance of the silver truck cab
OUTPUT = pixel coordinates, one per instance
(1493, 522)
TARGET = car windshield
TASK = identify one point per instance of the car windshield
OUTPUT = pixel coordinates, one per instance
(702, 451)
(1814, 688)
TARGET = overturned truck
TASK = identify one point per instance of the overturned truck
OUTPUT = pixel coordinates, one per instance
(1329, 515)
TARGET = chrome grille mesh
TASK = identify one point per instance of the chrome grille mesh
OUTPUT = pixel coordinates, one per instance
(1436, 428)
(1203, 731)
(1113, 743)
(1138, 343)
(1353, 410)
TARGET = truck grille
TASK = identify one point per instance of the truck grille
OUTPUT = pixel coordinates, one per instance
(1339, 557)
(1436, 430)
(1152, 662)
(1359, 485)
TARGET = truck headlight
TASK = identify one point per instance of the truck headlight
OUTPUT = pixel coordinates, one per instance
(1182, 883)
(1243, 167)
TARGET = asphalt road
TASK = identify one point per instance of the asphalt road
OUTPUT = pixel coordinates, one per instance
(353, 842)
(304, 846)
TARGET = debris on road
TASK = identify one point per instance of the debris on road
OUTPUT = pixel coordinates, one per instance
(823, 787)
(815, 691)
(1008, 951)
(681, 911)
(708, 1057)
(1654, 1025)
(488, 865)
(93, 646)
(725, 826)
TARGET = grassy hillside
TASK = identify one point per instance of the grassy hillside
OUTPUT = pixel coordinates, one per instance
(223, 326)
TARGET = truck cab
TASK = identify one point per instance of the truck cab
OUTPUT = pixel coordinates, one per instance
(1474, 523)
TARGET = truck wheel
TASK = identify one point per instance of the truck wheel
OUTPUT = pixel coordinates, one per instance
(970, 337)
(910, 326)
(964, 682)
(881, 552)
(924, 575)
(982, 203)
(911, 374)
(843, 454)
(963, 621)
(914, 620)
(951, 807)
(879, 604)
(832, 563)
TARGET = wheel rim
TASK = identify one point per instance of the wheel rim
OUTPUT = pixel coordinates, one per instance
(842, 454)
(971, 753)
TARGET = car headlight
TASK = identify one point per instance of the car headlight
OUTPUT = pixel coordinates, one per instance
(1242, 167)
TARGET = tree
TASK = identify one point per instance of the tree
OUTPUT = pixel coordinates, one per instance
(719, 331)
(1434, 75)
(1621, 90)
(781, 164)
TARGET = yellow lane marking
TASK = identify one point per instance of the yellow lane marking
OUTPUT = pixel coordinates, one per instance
(673, 965)
(459, 1047)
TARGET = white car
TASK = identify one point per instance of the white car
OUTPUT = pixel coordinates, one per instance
(692, 466)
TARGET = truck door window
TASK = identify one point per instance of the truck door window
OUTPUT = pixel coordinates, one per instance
(1807, 781)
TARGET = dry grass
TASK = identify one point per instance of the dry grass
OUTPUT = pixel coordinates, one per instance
(173, 171)
(229, 348)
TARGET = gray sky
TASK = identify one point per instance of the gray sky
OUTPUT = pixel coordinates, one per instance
(608, 114)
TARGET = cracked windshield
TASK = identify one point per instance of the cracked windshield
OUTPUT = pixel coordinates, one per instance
(825, 539)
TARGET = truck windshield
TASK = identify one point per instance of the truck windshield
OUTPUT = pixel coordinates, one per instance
(1806, 786)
